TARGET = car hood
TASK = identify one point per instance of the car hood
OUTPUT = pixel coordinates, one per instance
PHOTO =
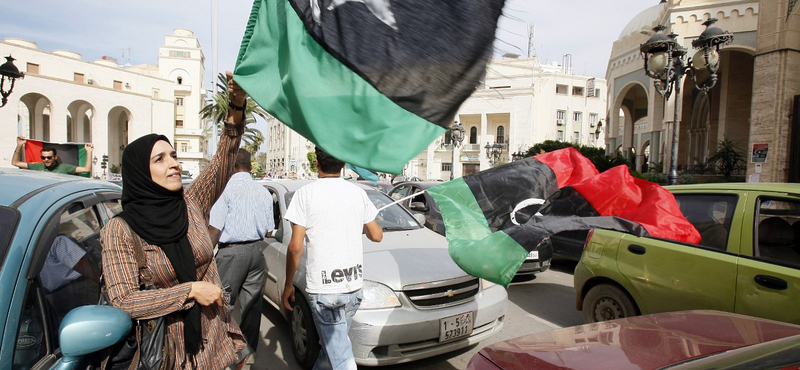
(422, 254)
(642, 342)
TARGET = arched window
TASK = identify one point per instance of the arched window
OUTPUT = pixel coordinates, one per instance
(473, 135)
(501, 135)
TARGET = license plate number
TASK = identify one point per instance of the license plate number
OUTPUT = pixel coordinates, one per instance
(454, 327)
(533, 255)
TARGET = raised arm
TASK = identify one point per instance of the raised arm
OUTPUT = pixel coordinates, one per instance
(16, 159)
(211, 182)
(89, 147)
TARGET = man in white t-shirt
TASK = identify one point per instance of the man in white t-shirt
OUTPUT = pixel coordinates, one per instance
(330, 215)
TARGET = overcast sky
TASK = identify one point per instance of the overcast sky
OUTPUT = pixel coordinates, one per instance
(131, 31)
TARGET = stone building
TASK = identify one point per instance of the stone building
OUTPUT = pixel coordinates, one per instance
(751, 104)
(521, 102)
(64, 98)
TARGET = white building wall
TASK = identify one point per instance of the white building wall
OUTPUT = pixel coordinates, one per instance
(113, 94)
(519, 95)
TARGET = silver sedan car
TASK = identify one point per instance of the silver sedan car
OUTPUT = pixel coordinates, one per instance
(417, 302)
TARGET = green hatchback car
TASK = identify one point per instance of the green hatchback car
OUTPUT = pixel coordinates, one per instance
(747, 261)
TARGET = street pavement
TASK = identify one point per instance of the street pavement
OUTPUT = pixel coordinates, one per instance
(545, 303)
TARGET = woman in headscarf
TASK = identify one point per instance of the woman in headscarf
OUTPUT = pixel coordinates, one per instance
(173, 222)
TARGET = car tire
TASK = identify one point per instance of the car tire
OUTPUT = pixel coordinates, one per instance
(607, 302)
(305, 340)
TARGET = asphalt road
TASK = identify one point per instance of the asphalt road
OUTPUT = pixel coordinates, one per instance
(545, 303)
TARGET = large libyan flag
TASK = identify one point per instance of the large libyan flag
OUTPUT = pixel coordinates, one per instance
(70, 153)
(372, 82)
(486, 242)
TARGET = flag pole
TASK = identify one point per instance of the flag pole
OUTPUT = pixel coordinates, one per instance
(215, 57)
(400, 200)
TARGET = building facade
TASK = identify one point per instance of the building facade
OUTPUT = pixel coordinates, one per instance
(287, 152)
(521, 102)
(64, 98)
(751, 103)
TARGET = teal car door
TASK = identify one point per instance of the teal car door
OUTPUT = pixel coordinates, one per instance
(768, 283)
(669, 276)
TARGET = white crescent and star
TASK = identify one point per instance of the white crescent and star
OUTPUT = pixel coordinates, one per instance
(381, 9)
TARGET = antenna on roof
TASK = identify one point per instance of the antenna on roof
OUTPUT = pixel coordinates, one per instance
(531, 36)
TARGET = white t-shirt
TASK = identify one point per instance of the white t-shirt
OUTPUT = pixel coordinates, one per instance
(334, 212)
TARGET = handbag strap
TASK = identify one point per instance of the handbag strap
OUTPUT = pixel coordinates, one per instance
(145, 278)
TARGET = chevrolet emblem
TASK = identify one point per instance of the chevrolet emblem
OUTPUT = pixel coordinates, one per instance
(450, 293)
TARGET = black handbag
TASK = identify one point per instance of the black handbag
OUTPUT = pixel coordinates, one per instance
(147, 347)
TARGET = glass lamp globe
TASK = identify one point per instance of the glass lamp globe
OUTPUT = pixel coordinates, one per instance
(699, 59)
(657, 62)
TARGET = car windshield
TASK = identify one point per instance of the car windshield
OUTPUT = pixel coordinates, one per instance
(393, 218)
(8, 223)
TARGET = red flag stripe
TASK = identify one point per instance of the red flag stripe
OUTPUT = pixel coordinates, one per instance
(569, 166)
(617, 193)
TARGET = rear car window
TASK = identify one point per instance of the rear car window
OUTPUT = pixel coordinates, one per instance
(711, 215)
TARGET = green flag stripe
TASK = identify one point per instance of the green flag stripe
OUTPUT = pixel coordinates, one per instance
(292, 77)
(480, 252)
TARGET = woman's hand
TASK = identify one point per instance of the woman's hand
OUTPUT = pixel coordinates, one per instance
(206, 293)
(236, 95)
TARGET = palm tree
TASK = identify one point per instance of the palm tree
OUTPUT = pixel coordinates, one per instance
(253, 141)
(216, 110)
(728, 157)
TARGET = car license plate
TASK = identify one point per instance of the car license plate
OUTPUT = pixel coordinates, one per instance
(454, 327)
(533, 255)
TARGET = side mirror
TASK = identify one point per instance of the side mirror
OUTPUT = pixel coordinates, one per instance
(419, 206)
(88, 329)
(420, 218)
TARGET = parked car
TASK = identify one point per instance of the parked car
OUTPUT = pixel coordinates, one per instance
(413, 291)
(568, 245)
(383, 187)
(702, 339)
(48, 320)
(425, 205)
(747, 261)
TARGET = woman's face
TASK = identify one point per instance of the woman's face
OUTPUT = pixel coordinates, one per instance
(165, 169)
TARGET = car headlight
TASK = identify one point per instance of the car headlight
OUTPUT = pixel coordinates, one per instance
(486, 284)
(377, 295)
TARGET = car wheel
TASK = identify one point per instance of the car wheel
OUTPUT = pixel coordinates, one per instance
(607, 302)
(305, 340)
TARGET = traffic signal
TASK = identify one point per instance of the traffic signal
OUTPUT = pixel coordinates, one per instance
(105, 158)
(103, 165)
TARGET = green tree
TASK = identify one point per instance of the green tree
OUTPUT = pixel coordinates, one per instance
(727, 156)
(597, 156)
(216, 110)
(312, 161)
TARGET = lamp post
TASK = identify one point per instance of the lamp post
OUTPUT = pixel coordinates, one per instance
(456, 136)
(493, 152)
(664, 63)
(10, 73)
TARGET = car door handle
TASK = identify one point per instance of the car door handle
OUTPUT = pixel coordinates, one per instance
(637, 249)
(771, 282)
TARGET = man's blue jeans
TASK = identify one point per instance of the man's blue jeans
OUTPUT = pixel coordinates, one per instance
(333, 316)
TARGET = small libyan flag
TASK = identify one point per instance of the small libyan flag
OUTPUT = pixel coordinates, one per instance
(69, 153)
(372, 82)
(487, 242)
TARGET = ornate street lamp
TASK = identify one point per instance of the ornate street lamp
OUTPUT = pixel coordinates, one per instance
(493, 152)
(457, 136)
(664, 63)
(10, 73)
(519, 154)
